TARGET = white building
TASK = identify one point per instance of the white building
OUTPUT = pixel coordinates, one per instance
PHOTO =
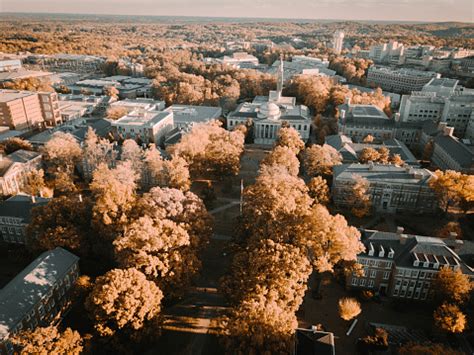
(338, 41)
(148, 126)
(270, 113)
(237, 60)
(140, 104)
(14, 169)
(399, 80)
(386, 52)
(10, 64)
(185, 116)
(301, 65)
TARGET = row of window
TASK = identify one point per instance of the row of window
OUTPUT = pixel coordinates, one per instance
(375, 263)
(414, 274)
(362, 282)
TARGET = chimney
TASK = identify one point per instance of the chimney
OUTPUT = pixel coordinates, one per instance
(80, 198)
(448, 131)
(397, 117)
(457, 245)
(442, 126)
(403, 239)
(400, 230)
(342, 114)
(347, 100)
(33, 199)
(371, 165)
(453, 235)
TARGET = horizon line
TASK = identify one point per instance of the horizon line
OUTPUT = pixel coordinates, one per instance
(243, 17)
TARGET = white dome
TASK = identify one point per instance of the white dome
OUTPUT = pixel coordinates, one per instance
(269, 110)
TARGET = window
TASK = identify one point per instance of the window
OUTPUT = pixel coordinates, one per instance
(386, 275)
(41, 311)
(354, 281)
(373, 273)
(371, 283)
(414, 273)
(395, 292)
(362, 282)
(422, 275)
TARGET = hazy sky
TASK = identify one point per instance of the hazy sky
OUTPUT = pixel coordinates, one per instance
(408, 10)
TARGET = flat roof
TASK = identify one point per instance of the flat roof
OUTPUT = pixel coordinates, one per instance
(10, 95)
(142, 118)
(33, 283)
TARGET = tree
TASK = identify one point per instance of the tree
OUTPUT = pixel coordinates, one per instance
(427, 349)
(359, 198)
(275, 206)
(283, 156)
(34, 183)
(13, 144)
(450, 229)
(96, 151)
(369, 155)
(172, 173)
(449, 318)
(452, 285)
(114, 195)
(329, 239)
(123, 299)
(114, 113)
(63, 222)
(211, 150)
(395, 159)
(368, 139)
(349, 308)
(48, 340)
(318, 190)
(62, 184)
(319, 160)
(453, 187)
(384, 155)
(290, 138)
(159, 249)
(61, 153)
(132, 153)
(111, 91)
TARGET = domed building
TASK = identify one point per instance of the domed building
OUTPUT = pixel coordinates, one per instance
(269, 113)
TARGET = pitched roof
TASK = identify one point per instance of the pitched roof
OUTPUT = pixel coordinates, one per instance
(457, 150)
(33, 283)
(20, 206)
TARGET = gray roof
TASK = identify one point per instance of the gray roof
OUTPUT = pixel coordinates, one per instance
(457, 150)
(19, 206)
(310, 342)
(194, 114)
(420, 248)
(19, 296)
(23, 156)
(380, 173)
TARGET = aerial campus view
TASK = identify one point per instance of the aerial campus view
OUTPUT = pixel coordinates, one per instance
(237, 177)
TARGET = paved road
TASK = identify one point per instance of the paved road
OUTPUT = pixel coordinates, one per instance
(225, 207)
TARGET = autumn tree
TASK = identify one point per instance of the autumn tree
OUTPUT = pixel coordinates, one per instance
(349, 308)
(318, 190)
(114, 197)
(211, 150)
(111, 91)
(62, 222)
(395, 159)
(290, 138)
(453, 187)
(61, 153)
(96, 151)
(275, 206)
(48, 340)
(449, 318)
(319, 160)
(358, 197)
(450, 229)
(62, 184)
(123, 299)
(13, 144)
(369, 155)
(114, 113)
(159, 249)
(452, 285)
(34, 183)
(328, 239)
(368, 139)
(173, 173)
(132, 153)
(384, 155)
(283, 157)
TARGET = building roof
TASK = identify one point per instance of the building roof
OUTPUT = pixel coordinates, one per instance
(457, 150)
(312, 342)
(403, 71)
(383, 173)
(32, 284)
(142, 118)
(20, 156)
(409, 248)
(19, 206)
(10, 95)
(194, 114)
(22, 74)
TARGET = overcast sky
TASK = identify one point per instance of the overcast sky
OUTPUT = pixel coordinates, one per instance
(406, 10)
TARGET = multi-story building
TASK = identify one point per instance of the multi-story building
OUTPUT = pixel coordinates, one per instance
(351, 151)
(15, 215)
(140, 104)
(457, 112)
(270, 113)
(301, 65)
(36, 295)
(338, 41)
(185, 116)
(399, 80)
(386, 52)
(10, 64)
(237, 60)
(68, 62)
(14, 169)
(403, 266)
(26, 110)
(391, 188)
(421, 106)
(451, 153)
(148, 126)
